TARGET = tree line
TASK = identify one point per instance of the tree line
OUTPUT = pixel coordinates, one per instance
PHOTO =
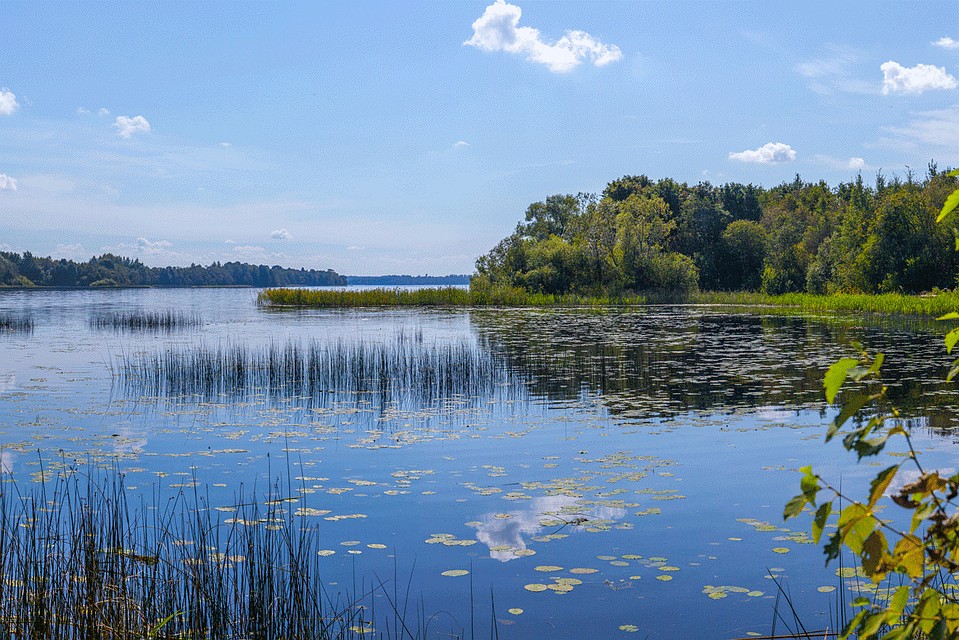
(27, 270)
(665, 236)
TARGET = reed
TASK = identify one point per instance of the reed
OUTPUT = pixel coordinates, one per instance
(935, 304)
(81, 560)
(77, 560)
(432, 297)
(401, 371)
(144, 321)
(16, 324)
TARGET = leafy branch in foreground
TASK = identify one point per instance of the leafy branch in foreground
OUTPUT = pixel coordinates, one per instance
(923, 559)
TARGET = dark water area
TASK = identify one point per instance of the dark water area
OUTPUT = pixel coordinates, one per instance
(584, 473)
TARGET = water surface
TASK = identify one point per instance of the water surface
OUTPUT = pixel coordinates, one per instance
(608, 473)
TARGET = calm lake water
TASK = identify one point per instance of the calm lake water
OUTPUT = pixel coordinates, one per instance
(610, 474)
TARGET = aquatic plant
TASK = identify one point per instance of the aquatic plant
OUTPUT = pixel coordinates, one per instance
(934, 304)
(16, 324)
(441, 297)
(399, 371)
(78, 560)
(144, 321)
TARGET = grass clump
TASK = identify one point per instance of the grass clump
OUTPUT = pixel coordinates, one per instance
(935, 304)
(433, 297)
(399, 371)
(77, 560)
(144, 321)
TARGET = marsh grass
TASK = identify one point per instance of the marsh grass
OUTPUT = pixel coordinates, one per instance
(15, 324)
(77, 560)
(934, 305)
(401, 371)
(432, 297)
(144, 321)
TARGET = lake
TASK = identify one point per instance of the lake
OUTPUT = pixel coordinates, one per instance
(584, 473)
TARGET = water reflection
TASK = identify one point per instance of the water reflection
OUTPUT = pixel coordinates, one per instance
(506, 533)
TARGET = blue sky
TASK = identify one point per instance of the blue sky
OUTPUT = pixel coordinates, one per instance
(378, 138)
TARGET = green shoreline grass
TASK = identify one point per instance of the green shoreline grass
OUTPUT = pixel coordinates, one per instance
(887, 303)
(433, 297)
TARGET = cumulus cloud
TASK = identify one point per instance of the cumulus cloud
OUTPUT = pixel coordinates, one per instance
(7, 183)
(83, 111)
(152, 246)
(459, 144)
(857, 163)
(126, 127)
(497, 30)
(910, 80)
(946, 43)
(8, 102)
(769, 153)
(103, 112)
(280, 234)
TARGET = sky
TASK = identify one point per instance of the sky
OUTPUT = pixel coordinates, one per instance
(387, 137)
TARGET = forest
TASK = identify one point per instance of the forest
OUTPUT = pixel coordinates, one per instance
(27, 270)
(642, 235)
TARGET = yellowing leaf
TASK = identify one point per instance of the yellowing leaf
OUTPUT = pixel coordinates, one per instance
(909, 554)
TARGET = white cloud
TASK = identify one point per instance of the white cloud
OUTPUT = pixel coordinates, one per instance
(769, 153)
(459, 144)
(946, 43)
(152, 246)
(909, 80)
(7, 183)
(226, 145)
(8, 102)
(83, 111)
(103, 112)
(280, 234)
(842, 164)
(835, 71)
(939, 127)
(497, 30)
(126, 127)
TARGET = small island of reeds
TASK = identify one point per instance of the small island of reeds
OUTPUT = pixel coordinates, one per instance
(434, 297)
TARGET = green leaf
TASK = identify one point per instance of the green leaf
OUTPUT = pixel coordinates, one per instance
(953, 371)
(879, 484)
(856, 523)
(836, 376)
(819, 522)
(951, 203)
(850, 407)
(794, 507)
(809, 485)
(951, 338)
(876, 364)
(952, 315)
(897, 604)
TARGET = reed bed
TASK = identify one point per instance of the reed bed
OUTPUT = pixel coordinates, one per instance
(16, 324)
(400, 371)
(77, 560)
(144, 321)
(432, 297)
(935, 305)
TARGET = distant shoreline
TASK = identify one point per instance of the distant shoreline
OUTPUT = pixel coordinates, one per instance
(402, 280)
